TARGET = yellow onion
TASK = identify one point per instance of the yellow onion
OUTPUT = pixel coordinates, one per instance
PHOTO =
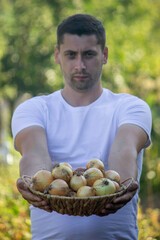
(58, 187)
(85, 191)
(92, 174)
(62, 171)
(95, 163)
(112, 175)
(116, 185)
(67, 164)
(77, 181)
(104, 186)
(41, 180)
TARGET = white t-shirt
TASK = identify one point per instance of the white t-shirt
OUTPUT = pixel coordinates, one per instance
(76, 135)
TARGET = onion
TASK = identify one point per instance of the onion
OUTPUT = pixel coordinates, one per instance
(62, 171)
(58, 187)
(116, 185)
(104, 186)
(77, 181)
(67, 164)
(85, 191)
(91, 175)
(79, 171)
(112, 175)
(95, 163)
(72, 194)
(41, 180)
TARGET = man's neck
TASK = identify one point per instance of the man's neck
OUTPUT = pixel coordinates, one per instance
(81, 98)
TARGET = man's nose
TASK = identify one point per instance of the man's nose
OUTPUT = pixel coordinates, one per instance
(79, 64)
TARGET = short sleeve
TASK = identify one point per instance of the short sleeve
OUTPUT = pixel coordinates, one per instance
(27, 114)
(136, 111)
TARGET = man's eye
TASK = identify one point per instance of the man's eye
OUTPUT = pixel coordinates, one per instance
(71, 54)
(89, 54)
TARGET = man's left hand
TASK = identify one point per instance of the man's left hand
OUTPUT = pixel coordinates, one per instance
(119, 202)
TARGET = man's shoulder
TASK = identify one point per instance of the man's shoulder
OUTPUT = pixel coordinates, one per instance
(122, 97)
(38, 104)
(42, 99)
(125, 100)
(47, 98)
(118, 97)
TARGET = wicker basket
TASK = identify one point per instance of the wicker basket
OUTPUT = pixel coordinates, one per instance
(82, 206)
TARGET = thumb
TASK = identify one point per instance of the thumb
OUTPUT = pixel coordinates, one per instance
(133, 186)
(21, 184)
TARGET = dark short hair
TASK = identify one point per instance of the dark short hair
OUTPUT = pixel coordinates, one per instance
(81, 24)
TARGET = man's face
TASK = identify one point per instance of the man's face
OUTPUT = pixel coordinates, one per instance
(81, 60)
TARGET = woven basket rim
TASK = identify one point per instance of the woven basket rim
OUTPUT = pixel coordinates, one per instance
(67, 197)
(118, 193)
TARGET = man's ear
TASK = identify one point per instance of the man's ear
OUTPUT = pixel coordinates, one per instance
(56, 54)
(105, 55)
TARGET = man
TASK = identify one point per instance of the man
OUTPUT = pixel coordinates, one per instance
(78, 123)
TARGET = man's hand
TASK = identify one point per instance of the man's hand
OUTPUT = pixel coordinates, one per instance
(119, 202)
(30, 197)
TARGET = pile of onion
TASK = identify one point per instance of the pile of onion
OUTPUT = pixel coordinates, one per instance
(81, 182)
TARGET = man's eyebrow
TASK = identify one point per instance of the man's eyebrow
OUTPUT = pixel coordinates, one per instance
(69, 51)
(90, 50)
(85, 51)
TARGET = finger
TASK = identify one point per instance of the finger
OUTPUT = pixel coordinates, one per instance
(47, 208)
(133, 186)
(108, 211)
(26, 193)
(105, 212)
(21, 184)
(111, 206)
(39, 204)
(124, 198)
(30, 197)
(42, 205)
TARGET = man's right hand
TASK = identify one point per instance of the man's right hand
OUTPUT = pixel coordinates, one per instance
(30, 197)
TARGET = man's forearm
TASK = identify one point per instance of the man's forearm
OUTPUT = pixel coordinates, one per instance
(125, 163)
(29, 165)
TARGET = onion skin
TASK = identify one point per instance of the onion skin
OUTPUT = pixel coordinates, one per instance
(72, 194)
(41, 180)
(67, 164)
(62, 171)
(85, 191)
(104, 186)
(58, 187)
(116, 185)
(112, 175)
(92, 174)
(77, 181)
(79, 171)
(95, 163)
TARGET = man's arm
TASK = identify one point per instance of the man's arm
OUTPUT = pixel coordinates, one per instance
(129, 141)
(31, 142)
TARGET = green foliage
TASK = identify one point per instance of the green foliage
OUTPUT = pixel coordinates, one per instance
(14, 211)
(148, 224)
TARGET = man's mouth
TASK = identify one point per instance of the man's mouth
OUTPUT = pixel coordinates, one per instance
(80, 77)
